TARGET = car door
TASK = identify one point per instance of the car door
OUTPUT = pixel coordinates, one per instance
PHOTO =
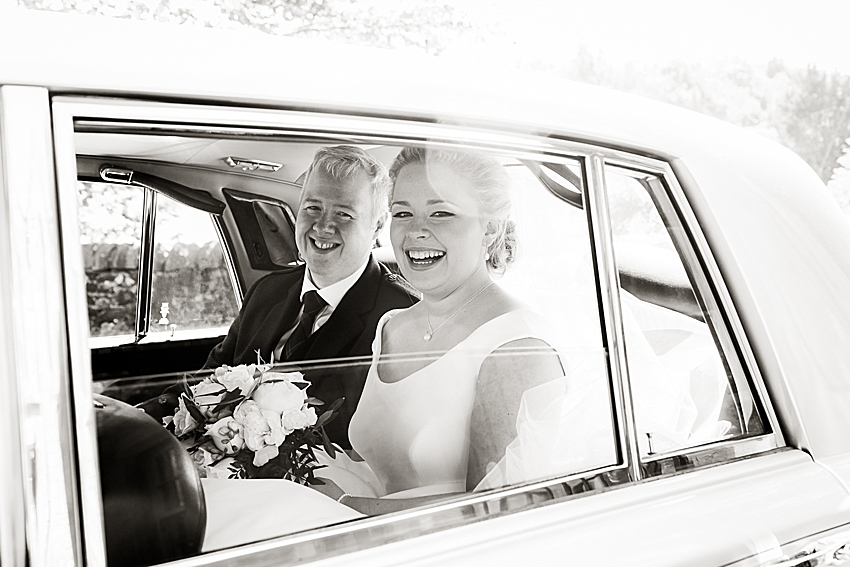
(646, 487)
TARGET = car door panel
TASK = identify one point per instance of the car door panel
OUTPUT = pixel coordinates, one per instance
(737, 512)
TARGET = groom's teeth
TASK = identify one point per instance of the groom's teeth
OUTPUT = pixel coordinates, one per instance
(324, 245)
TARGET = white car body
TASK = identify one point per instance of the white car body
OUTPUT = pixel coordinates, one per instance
(775, 236)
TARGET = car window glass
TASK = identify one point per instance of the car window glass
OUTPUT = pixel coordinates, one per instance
(553, 275)
(684, 393)
(191, 289)
(452, 407)
(110, 232)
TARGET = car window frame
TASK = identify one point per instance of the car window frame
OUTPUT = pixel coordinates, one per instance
(122, 115)
(705, 274)
(147, 252)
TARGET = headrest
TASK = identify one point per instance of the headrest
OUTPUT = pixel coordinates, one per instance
(153, 503)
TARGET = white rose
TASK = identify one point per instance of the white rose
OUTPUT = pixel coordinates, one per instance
(183, 420)
(265, 454)
(202, 458)
(241, 377)
(221, 469)
(255, 426)
(279, 396)
(310, 414)
(276, 434)
(243, 409)
(207, 395)
(294, 419)
(226, 435)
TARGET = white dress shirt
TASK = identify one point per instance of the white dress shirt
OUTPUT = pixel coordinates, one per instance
(332, 295)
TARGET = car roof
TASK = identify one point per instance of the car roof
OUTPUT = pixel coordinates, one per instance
(67, 53)
(781, 242)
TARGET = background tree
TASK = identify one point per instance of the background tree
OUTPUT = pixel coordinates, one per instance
(426, 24)
(818, 118)
(839, 183)
(807, 110)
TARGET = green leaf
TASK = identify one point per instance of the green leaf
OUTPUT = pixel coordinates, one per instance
(230, 399)
(329, 448)
(193, 409)
(315, 401)
(322, 419)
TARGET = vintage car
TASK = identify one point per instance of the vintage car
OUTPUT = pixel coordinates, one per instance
(696, 274)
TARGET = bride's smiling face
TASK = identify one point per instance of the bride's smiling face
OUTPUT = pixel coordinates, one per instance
(437, 231)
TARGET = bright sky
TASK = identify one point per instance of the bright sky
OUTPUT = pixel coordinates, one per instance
(799, 32)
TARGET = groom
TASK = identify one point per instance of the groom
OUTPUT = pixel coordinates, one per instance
(329, 307)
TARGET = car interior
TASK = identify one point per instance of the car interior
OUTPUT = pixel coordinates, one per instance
(250, 189)
(176, 226)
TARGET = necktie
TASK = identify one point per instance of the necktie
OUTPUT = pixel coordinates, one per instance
(296, 345)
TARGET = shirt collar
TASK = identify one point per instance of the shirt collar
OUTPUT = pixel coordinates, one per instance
(333, 293)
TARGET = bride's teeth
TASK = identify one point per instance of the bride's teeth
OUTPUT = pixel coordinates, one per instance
(425, 254)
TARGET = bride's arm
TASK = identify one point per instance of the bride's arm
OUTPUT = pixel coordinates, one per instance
(504, 376)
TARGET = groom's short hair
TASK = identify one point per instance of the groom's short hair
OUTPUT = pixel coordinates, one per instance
(343, 162)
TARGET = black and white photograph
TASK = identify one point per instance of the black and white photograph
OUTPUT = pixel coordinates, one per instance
(427, 282)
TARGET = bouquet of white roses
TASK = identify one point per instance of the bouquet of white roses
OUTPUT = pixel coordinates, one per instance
(249, 422)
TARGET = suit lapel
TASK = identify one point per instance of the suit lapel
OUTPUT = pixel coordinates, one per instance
(345, 324)
(279, 318)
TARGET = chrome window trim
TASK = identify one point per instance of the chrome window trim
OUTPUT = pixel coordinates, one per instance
(44, 514)
(91, 508)
(97, 114)
(701, 265)
(714, 453)
(612, 316)
(147, 249)
(13, 466)
(133, 116)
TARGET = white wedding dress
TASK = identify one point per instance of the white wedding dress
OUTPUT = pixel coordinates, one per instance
(413, 435)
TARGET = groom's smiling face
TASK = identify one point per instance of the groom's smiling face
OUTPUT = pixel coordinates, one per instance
(336, 225)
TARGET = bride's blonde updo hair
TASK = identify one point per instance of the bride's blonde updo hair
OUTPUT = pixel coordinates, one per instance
(492, 190)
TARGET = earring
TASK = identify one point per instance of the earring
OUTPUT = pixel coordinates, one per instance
(486, 256)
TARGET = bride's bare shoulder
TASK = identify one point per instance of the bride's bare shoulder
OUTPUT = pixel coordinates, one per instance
(402, 324)
(400, 319)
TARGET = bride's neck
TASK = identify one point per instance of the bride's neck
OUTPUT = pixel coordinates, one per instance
(446, 305)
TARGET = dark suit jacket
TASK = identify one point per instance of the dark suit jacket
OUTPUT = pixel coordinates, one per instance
(270, 309)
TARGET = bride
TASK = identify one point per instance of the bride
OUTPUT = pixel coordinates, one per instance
(449, 376)
(440, 403)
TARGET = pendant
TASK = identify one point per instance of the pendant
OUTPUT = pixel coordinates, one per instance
(427, 337)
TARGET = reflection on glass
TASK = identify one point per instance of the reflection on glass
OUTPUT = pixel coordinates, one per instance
(503, 384)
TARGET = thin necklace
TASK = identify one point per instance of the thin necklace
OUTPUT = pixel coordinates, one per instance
(431, 331)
